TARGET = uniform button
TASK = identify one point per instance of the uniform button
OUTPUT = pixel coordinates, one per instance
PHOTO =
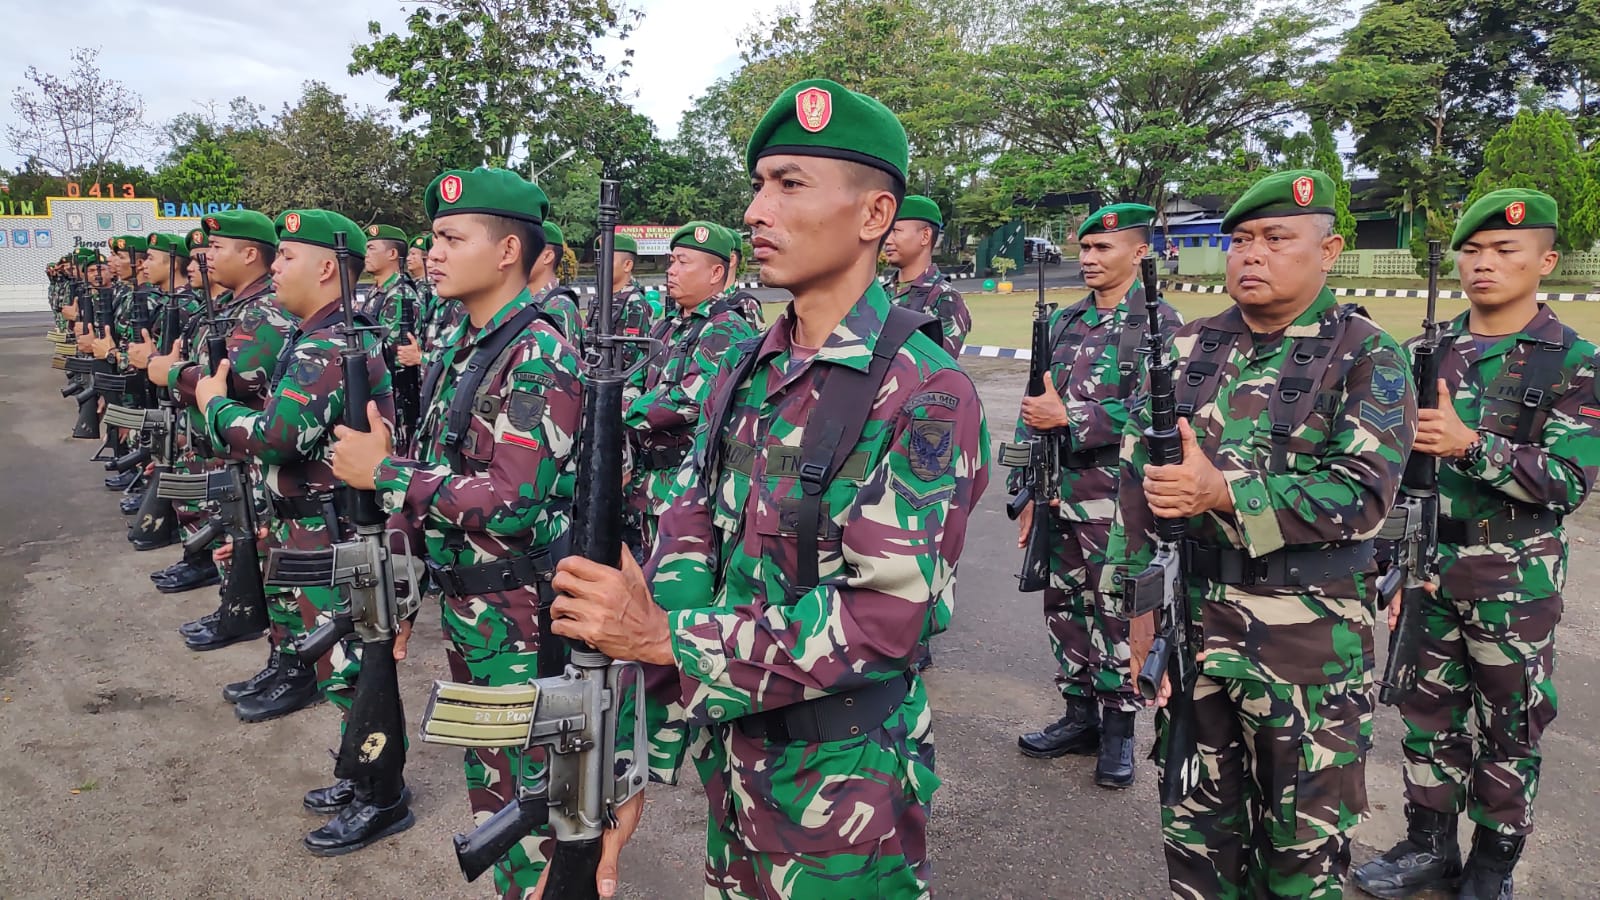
(705, 666)
(1255, 502)
(716, 712)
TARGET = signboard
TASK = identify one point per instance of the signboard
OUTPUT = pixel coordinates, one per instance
(653, 239)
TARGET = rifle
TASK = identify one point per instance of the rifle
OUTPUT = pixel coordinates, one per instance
(407, 384)
(156, 522)
(1413, 523)
(88, 424)
(573, 714)
(1163, 585)
(373, 747)
(1039, 457)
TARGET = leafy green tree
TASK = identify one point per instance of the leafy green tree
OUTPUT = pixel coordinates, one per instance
(1540, 150)
(207, 173)
(1326, 157)
(487, 77)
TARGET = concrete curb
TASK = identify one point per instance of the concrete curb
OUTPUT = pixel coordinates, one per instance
(1182, 287)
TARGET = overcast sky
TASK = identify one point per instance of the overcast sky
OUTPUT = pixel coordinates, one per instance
(181, 54)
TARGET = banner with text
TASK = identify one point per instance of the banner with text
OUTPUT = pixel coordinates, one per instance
(652, 239)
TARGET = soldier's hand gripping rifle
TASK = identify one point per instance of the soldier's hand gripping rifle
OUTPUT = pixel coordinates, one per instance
(1039, 457)
(156, 522)
(1413, 523)
(573, 714)
(1163, 585)
(227, 490)
(90, 369)
(373, 748)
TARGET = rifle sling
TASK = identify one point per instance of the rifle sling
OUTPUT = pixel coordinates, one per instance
(485, 364)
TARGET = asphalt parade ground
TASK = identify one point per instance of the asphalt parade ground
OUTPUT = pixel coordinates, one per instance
(124, 774)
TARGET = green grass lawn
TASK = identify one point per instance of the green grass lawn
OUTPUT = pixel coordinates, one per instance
(1005, 320)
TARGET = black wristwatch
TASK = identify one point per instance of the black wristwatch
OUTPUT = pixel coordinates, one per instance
(1472, 456)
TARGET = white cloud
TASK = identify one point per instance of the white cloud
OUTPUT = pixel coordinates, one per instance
(179, 55)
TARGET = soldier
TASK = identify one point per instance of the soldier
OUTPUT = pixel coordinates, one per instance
(1519, 446)
(239, 249)
(1301, 415)
(558, 302)
(674, 386)
(920, 286)
(387, 253)
(747, 303)
(433, 316)
(127, 264)
(290, 436)
(790, 648)
(631, 311)
(482, 497)
(1094, 367)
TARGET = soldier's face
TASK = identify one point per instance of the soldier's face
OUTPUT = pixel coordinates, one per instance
(693, 276)
(154, 268)
(621, 266)
(466, 260)
(1111, 259)
(416, 263)
(122, 265)
(905, 241)
(1500, 267)
(1276, 261)
(300, 275)
(192, 270)
(229, 261)
(99, 275)
(812, 217)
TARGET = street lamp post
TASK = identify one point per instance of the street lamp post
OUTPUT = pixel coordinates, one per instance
(560, 159)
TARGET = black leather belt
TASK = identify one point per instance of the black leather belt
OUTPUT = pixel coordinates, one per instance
(1511, 524)
(309, 506)
(836, 717)
(508, 574)
(1282, 568)
(1098, 458)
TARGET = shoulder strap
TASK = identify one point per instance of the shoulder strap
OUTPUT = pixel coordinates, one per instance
(720, 407)
(1134, 326)
(921, 293)
(1540, 375)
(1202, 374)
(843, 407)
(485, 363)
(1296, 391)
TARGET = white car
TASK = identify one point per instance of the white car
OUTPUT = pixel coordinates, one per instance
(1033, 248)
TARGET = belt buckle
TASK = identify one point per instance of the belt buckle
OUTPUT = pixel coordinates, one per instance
(1483, 531)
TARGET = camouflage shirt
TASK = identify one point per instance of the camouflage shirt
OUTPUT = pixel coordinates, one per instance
(674, 386)
(631, 316)
(436, 322)
(388, 301)
(932, 294)
(1086, 369)
(1341, 477)
(559, 304)
(257, 329)
(1555, 470)
(894, 528)
(290, 435)
(497, 503)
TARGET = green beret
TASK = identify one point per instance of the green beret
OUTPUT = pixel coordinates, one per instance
(735, 240)
(130, 243)
(195, 238)
(168, 243)
(1506, 208)
(553, 235)
(385, 233)
(622, 243)
(818, 117)
(244, 224)
(494, 192)
(1117, 217)
(423, 241)
(318, 226)
(917, 208)
(705, 237)
(85, 256)
(1297, 192)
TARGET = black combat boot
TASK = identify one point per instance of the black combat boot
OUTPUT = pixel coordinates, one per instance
(295, 689)
(1430, 856)
(212, 637)
(202, 624)
(187, 576)
(1114, 769)
(1076, 732)
(1489, 865)
(255, 684)
(330, 800)
(374, 813)
(123, 480)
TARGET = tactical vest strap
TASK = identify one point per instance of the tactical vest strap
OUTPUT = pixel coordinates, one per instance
(485, 364)
(843, 407)
(1295, 394)
(1202, 376)
(1134, 325)
(1540, 377)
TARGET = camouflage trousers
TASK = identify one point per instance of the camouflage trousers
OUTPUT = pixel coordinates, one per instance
(1282, 782)
(1090, 644)
(493, 776)
(1495, 659)
(893, 867)
(299, 611)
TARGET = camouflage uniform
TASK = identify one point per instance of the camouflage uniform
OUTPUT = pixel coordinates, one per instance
(1283, 701)
(384, 305)
(930, 293)
(436, 322)
(559, 304)
(749, 306)
(1090, 644)
(672, 390)
(1488, 644)
(815, 820)
(289, 437)
(631, 316)
(499, 507)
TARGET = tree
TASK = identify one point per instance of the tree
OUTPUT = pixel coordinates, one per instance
(1576, 55)
(207, 173)
(72, 126)
(1326, 157)
(322, 154)
(1128, 97)
(1540, 150)
(488, 76)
